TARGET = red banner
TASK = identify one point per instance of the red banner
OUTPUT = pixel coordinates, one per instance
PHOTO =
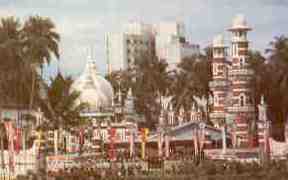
(112, 136)
(17, 140)
(10, 134)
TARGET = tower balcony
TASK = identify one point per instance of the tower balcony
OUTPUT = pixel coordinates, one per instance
(238, 109)
(213, 84)
(217, 115)
(241, 71)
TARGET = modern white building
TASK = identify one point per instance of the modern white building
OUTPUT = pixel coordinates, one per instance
(123, 48)
(166, 40)
(171, 44)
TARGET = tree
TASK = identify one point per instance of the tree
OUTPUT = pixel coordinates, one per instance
(277, 83)
(24, 50)
(59, 106)
(271, 80)
(41, 42)
(63, 102)
(151, 80)
(13, 76)
(192, 79)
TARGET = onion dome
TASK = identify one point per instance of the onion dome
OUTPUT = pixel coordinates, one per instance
(95, 90)
(239, 23)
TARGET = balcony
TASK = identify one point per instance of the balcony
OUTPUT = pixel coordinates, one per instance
(217, 115)
(213, 84)
(240, 71)
(237, 109)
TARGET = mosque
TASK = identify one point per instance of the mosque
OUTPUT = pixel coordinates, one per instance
(108, 114)
(232, 94)
(232, 109)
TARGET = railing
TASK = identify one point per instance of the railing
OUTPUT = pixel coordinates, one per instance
(213, 84)
(240, 71)
(241, 109)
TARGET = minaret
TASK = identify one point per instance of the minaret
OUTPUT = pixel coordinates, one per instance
(262, 122)
(171, 115)
(219, 84)
(240, 75)
(193, 113)
(129, 102)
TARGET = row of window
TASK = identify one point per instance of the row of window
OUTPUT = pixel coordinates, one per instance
(140, 42)
(242, 100)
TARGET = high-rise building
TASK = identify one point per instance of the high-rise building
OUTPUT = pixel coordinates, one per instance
(171, 44)
(233, 86)
(166, 40)
(123, 48)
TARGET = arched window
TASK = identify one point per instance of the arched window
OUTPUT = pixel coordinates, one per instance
(241, 62)
(241, 100)
(215, 99)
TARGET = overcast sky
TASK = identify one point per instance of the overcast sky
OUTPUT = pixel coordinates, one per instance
(83, 23)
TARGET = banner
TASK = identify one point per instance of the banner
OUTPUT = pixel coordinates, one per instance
(167, 146)
(196, 141)
(132, 139)
(160, 144)
(17, 140)
(10, 134)
(112, 136)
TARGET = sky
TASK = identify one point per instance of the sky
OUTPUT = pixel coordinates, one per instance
(82, 24)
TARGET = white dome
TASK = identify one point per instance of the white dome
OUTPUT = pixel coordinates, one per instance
(218, 41)
(95, 90)
(239, 22)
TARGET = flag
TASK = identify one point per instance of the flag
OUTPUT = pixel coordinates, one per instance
(131, 142)
(160, 143)
(195, 140)
(10, 134)
(17, 140)
(167, 146)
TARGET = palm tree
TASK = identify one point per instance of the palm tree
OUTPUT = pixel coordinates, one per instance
(191, 79)
(41, 42)
(10, 61)
(60, 104)
(278, 83)
(151, 79)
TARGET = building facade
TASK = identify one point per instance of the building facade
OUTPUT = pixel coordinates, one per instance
(171, 44)
(123, 48)
(165, 40)
(231, 83)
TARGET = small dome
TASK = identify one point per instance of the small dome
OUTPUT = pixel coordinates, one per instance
(218, 41)
(239, 22)
(95, 90)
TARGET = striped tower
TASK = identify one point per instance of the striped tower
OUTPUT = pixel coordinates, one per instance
(219, 84)
(240, 75)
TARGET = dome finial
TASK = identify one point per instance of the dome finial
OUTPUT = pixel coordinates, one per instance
(218, 41)
(239, 23)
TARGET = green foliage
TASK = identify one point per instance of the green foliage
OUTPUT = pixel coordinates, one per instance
(24, 49)
(60, 104)
(149, 79)
(271, 80)
(192, 79)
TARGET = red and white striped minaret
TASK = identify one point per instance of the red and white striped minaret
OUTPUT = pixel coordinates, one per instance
(219, 84)
(240, 75)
